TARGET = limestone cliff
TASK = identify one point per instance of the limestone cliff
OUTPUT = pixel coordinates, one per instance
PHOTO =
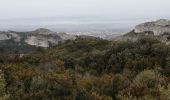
(158, 27)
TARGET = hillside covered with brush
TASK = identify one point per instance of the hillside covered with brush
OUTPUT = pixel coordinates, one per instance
(89, 69)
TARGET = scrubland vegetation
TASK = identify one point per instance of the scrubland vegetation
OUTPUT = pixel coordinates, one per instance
(88, 69)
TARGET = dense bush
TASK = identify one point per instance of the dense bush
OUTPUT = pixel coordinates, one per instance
(89, 69)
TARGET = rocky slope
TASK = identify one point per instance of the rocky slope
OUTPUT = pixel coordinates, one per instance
(27, 40)
(159, 29)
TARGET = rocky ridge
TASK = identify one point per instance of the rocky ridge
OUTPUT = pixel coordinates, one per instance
(26, 41)
(39, 38)
(159, 29)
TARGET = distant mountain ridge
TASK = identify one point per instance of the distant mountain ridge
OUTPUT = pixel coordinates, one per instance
(31, 40)
(159, 29)
(38, 38)
(26, 41)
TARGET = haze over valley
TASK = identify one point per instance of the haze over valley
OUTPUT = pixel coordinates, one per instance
(77, 17)
(98, 27)
(70, 24)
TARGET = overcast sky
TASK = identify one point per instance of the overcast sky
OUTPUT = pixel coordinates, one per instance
(116, 9)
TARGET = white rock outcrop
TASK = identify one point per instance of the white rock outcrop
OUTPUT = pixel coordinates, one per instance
(37, 41)
(4, 36)
(158, 27)
(15, 36)
(9, 35)
(40, 37)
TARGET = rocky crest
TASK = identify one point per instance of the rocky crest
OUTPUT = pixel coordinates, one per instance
(158, 27)
(27, 40)
(44, 37)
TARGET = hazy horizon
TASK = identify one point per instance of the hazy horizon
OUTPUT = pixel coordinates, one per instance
(72, 15)
(71, 24)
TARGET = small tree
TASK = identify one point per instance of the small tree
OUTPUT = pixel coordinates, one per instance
(3, 95)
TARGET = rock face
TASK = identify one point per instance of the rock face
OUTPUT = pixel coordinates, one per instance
(9, 35)
(4, 36)
(38, 41)
(43, 38)
(37, 38)
(158, 27)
